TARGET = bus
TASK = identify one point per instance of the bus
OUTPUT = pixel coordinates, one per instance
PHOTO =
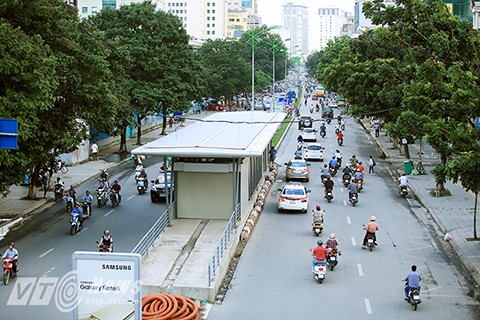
(319, 92)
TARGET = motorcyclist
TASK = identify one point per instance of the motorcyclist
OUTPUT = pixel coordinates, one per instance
(59, 184)
(340, 135)
(353, 161)
(77, 212)
(347, 170)
(352, 189)
(88, 198)
(332, 242)
(358, 175)
(328, 185)
(412, 279)
(106, 240)
(403, 181)
(318, 214)
(333, 162)
(339, 157)
(104, 175)
(72, 193)
(361, 167)
(325, 172)
(138, 170)
(117, 188)
(143, 174)
(102, 186)
(12, 253)
(319, 253)
(300, 139)
(339, 119)
(371, 229)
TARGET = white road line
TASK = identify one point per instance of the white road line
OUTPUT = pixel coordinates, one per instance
(83, 230)
(410, 202)
(360, 270)
(133, 195)
(367, 306)
(106, 214)
(45, 253)
(344, 203)
(354, 243)
(348, 220)
(46, 273)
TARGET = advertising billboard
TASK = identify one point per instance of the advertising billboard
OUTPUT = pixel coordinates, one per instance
(107, 286)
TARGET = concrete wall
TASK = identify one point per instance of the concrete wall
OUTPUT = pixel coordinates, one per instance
(206, 195)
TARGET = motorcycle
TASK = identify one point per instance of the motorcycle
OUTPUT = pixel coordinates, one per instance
(354, 199)
(59, 192)
(332, 258)
(86, 209)
(333, 171)
(103, 248)
(323, 133)
(329, 120)
(311, 109)
(403, 191)
(342, 126)
(317, 227)
(8, 270)
(329, 195)
(298, 154)
(414, 298)
(317, 108)
(324, 179)
(319, 271)
(137, 173)
(337, 130)
(346, 180)
(359, 183)
(340, 141)
(60, 166)
(69, 202)
(370, 242)
(141, 185)
(114, 198)
(102, 197)
(75, 225)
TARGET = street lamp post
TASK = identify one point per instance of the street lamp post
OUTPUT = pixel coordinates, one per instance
(274, 49)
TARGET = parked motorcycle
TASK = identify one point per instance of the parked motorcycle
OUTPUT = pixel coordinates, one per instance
(141, 185)
(332, 258)
(414, 298)
(354, 199)
(403, 191)
(317, 227)
(75, 225)
(114, 198)
(329, 195)
(8, 270)
(59, 192)
(102, 197)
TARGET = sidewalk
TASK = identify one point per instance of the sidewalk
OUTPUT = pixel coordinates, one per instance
(14, 207)
(452, 214)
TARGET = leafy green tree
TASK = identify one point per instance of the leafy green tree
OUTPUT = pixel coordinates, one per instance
(409, 126)
(312, 63)
(163, 70)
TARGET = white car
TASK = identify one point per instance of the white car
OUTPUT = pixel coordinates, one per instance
(309, 134)
(313, 151)
(333, 105)
(293, 197)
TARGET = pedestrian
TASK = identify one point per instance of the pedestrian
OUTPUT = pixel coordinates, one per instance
(371, 165)
(273, 155)
(94, 149)
(376, 127)
(45, 184)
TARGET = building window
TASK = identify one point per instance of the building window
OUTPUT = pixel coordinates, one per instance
(94, 10)
(181, 11)
(208, 25)
(208, 11)
(213, 25)
(213, 18)
(208, 4)
(213, 32)
(84, 9)
(208, 18)
(109, 4)
(213, 11)
(213, 4)
(208, 32)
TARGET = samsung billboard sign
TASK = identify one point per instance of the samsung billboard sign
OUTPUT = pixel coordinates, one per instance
(107, 286)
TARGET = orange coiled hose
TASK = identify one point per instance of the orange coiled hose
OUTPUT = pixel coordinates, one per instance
(169, 307)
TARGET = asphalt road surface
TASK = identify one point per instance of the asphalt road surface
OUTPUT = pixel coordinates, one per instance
(273, 279)
(45, 245)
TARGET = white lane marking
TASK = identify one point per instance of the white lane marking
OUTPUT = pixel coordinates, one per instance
(354, 243)
(133, 195)
(46, 252)
(360, 270)
(345, 203)
(83, 230)
(348, 220)
(46, 273)
(367, 306)
(106, 214)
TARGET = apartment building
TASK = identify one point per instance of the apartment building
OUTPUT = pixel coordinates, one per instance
(91, 7)
(331, 22)
(295, 27)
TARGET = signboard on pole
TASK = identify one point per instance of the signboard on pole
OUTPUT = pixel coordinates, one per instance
(8, 133)
(107, 286)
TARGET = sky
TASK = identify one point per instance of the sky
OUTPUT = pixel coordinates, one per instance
(271, 10)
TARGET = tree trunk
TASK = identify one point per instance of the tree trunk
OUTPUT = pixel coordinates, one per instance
(406, 150)
(164, 121)
(32, 188)
(475, 217)
(139, 130)
(122, 149)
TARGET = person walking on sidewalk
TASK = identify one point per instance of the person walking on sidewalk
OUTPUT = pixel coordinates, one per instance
(376, 127)
(94, 149)
(371, 165)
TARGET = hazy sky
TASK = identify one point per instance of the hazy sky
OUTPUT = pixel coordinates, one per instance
(271, 10)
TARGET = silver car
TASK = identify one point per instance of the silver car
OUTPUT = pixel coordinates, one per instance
(297, 169)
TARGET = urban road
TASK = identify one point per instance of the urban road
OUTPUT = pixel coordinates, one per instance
(46, 246)
(273, 278)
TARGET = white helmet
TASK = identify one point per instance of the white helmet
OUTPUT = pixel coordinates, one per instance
(372, 218)
(332, 236)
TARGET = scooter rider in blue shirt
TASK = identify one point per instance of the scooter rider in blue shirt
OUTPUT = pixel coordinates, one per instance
(77, 211)
(412, 281)
(88, 198)
(333, 163)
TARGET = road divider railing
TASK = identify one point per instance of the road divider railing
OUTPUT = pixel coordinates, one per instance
(149, 238)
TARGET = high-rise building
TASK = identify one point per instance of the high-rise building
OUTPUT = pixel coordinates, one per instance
(295, 24)
(203, 19)
(237, 22)
(249, 5)
(91, 7)
(331, 25)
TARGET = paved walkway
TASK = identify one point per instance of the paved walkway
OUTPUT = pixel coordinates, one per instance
(452, 214)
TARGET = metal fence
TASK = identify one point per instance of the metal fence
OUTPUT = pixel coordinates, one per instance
(149, 238)
(222, 243)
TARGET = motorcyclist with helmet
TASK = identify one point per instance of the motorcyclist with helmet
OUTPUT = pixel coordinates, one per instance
(332, 242)
(78, 212)
(106, 240)
(318, 214)
(319, 253)
(88, 198)
(361, 167)
(12, 253)
(117, 188)
(325, 172)
(353, 161)
(328, 185)
(371, 229)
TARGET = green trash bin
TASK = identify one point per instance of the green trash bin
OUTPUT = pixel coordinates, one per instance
(407, 166)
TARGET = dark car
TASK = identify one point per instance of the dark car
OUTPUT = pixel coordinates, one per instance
(327, 113)
(305, 122)
(158, 192)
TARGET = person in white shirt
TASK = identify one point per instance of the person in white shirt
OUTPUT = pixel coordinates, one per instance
(403, 181)
(94, 149)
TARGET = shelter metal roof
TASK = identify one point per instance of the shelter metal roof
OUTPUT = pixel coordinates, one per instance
(221, 135)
